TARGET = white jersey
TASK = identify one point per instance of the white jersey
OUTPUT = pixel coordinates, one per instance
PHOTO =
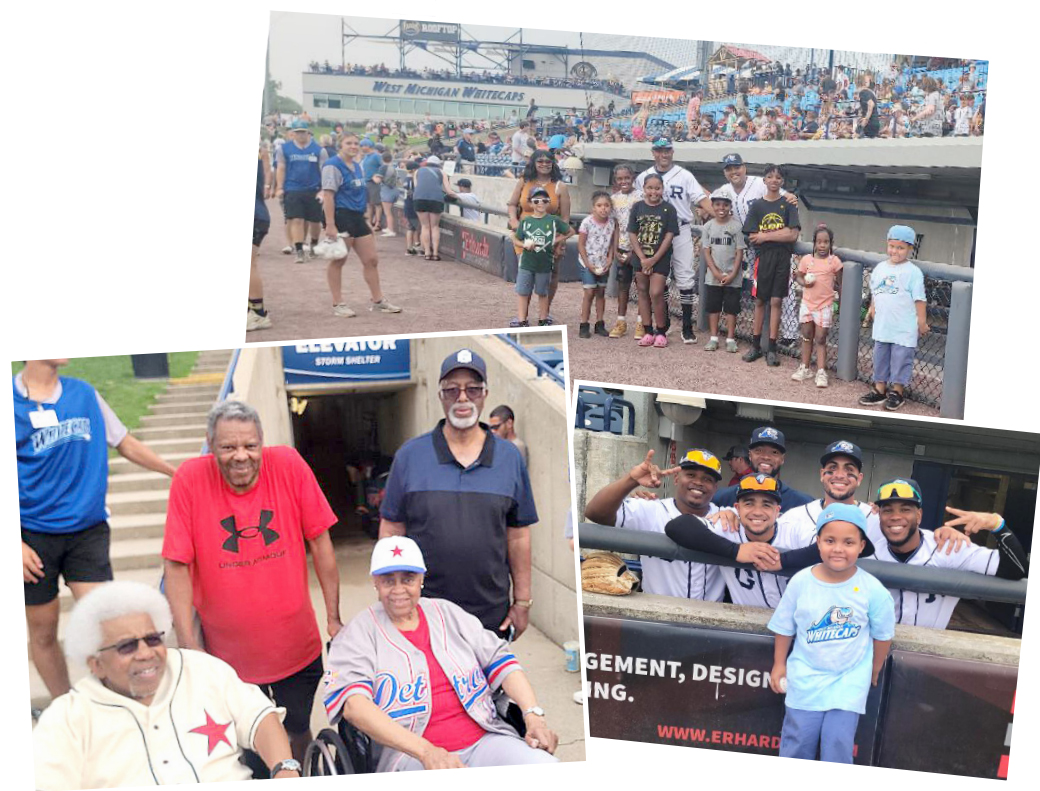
(754, 588)
(931, 609)
(669, 577)
(754, 188)
(806, 516)
(681, 189)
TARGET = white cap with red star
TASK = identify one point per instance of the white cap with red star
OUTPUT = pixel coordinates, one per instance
(397, 553)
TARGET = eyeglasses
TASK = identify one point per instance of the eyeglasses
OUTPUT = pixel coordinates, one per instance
(898, 490)
(758, 483)
(473, 392)
(539, 200)
(702, 458)
(129, 646)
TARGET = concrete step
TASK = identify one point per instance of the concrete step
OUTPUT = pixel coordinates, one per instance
(210, 368)
(182, 431)
(191, 445)
(203, 389)
(127, 527)
(118, 466)
(218, 355)
(177, 397)
(138, 482)
(169, 419)
(139, 502)
(136, 553)
(200, 408)
(148, 576)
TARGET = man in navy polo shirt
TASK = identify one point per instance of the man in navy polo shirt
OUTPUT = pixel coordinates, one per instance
(464, 496)
(766, 454)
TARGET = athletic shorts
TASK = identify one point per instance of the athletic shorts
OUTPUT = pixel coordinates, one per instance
(662, 267)
(352, 223)
(772, 275)
(77, 557)
(372, 190)
(296, 694)
(260, 229)
(528, 281)
(722, 299)
(592, 280)
(388, 194)
(821, 318)
(302, 206)
(431, 206)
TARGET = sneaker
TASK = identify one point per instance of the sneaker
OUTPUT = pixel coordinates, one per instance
(288, 250)
(601, 330)
(872, 398)
(712, 345)
(619, 330)
(752, 354)
(802, 373)
(688, 336)
(660, 341)
(388, 233)
(583, 330)
(894, 400)
(640, 331)
(306, 247)
(299, 257)
(384, 306)
(522, 323)
(731, 345)
(821, 378)
(771, 359)
(412, 251)
(344, 311)
(254, 321)
(311, 253)
(647, 339)
(550, 319)
(545, 322)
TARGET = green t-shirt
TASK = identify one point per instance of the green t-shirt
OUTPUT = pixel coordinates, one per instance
(543, 230)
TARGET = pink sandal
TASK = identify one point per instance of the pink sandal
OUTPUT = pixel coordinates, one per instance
(660, 341)
(646, 340)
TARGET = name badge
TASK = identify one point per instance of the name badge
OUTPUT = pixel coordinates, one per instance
(312, 158)
(43, 418)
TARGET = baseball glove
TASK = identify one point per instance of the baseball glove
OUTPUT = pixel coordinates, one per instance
(605, 572)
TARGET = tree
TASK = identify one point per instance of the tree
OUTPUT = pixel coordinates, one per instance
(276, 103)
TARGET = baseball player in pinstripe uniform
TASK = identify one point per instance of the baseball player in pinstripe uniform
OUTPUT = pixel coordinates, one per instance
(684, 192)
(696, 478)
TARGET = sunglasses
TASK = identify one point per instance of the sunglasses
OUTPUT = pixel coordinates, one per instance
(898, 491)
(753, 483)
(703, 459)
(129, 646)
(539, 200)
(473, 392)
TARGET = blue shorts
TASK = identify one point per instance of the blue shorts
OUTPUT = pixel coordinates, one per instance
(893, 363)
(590, 280)
(832, 732)
(527, 281)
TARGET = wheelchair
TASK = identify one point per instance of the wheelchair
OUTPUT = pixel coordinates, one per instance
(347, 751)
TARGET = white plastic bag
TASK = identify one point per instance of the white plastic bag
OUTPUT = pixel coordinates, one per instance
(331, 249)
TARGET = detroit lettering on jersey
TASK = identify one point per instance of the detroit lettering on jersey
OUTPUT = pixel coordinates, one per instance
(468, 686)
(834, 625)
(76, 428)
(401, 699)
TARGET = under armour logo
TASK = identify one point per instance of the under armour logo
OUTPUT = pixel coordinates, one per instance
(269, 535)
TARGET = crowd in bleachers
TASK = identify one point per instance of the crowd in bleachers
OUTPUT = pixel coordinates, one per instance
(488, 77)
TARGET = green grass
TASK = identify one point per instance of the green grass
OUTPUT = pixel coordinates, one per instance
(113, 377)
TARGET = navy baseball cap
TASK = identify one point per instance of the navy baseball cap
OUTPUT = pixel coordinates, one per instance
(731, 159)
(759, 483)
(735, 452)
(661, 142)
(843, 448)
(899, 490)
(538, 192)
(464, 358)
(767, 435)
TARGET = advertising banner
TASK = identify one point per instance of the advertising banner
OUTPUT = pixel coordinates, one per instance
(415, 30)
(358, 359)
(656, 97)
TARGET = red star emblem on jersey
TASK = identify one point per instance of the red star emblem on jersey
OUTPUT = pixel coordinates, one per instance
(214, 732)
(397, 552)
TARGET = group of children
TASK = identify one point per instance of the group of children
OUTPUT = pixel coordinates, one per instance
(633, 230)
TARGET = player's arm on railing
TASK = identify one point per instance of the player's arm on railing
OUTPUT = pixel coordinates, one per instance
(692, 532)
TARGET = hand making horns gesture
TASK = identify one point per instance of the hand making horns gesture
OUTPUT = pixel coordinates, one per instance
(649, 474)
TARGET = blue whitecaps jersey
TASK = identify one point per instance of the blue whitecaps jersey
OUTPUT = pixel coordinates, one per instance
(351, 193)
(302, 167)
(62, 469)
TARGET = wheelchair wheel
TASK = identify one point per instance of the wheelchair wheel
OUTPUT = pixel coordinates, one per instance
(327, 756)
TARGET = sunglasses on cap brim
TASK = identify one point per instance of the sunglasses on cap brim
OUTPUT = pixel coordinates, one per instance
(751, 485)
(899, 490)
(701, 459)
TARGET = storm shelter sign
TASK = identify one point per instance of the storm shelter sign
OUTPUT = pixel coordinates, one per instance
(358, 359)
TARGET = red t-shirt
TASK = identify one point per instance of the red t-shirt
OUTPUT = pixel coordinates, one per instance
(248, 559)
(450, 727)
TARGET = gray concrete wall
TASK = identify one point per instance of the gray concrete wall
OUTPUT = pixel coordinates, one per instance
(259, 380)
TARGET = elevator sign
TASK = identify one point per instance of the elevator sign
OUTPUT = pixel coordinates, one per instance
(358, 360)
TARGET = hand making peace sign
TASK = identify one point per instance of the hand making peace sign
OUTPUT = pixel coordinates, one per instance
(649, 474)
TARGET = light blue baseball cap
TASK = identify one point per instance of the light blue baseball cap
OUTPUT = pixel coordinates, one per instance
(902, 233)
(841, 512)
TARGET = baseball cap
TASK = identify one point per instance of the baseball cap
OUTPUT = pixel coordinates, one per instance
(759, 483)
(902, 233)
(904, 490)
(396, 553)
(433, 160)
(536, 192)
(557, 141)
(722, 194)
(842, 512)
(464, 358)
(365, 143)
(464, 183)
(732, 159)
(705, 459)
(380, 147)
(467, 131)
(843, 448)
(735, 452)
(299, 125)
(767, 435)
(661, 142)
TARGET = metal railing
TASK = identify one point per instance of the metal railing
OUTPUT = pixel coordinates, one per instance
(945, 582)
(540, 365)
